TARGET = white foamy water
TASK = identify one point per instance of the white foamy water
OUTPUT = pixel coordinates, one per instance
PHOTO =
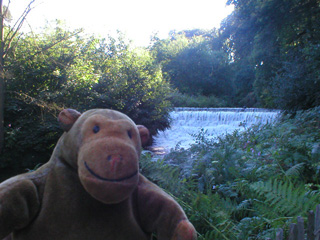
(216, 121)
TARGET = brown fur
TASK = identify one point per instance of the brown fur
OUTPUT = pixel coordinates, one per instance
(91, 188)
(144, 134)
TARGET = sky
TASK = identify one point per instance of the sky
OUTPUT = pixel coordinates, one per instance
(139, 19)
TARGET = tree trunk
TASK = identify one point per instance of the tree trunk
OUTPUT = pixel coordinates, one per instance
(2, 79)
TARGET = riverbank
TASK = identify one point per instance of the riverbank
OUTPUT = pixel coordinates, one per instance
(248, 183)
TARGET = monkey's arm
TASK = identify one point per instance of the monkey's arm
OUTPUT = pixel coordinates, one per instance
(19, 204)
(162, 214)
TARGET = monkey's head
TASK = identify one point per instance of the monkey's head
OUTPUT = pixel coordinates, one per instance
(104, 146)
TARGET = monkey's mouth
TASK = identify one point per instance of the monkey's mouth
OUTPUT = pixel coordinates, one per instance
(108, 179)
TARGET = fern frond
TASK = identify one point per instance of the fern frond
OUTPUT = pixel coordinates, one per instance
(285, 198)
(244, 205)
(295, 171)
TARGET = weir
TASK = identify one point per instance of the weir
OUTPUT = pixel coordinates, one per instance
(215, 121)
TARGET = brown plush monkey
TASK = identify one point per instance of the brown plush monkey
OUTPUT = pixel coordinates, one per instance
(91, 188)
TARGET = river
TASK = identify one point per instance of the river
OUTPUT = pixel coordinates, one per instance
(215, 121)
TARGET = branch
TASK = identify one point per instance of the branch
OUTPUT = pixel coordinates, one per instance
(17, 26)
(7, 9)
(57, 42)
(21, 19)
(41, 51)
(38, 102)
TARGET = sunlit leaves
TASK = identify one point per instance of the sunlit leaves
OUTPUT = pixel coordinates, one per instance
(81, 74)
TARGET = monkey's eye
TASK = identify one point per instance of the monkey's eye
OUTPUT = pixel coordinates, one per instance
(96, 129)
(130, 134)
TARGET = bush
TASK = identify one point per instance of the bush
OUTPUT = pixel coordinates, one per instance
(132, 83)
(31, 132)
(61, 69)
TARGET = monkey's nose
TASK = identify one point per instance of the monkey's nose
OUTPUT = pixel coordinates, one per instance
(114, 158)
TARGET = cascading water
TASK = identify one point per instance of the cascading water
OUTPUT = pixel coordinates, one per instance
(215, 121)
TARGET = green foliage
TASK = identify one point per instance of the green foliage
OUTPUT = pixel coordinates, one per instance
(247, 184)
(193, 65)
(132, 83)
(31, 132)
(296, 85)
(205, 211)
(58, 69)
(278, 42)
(284, 198)
(184, 100)
(244, 76)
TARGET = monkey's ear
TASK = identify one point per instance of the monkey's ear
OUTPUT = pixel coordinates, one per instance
(67, 118)
(144, 135)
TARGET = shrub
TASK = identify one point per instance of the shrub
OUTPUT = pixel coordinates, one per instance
(62, 69)
(31, 132)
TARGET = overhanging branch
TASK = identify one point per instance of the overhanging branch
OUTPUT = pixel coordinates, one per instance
(16, 27)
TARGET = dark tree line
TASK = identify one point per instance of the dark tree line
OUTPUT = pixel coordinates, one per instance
(278, 42)
(265, 54)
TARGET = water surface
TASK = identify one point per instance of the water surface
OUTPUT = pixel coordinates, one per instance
(215, 121)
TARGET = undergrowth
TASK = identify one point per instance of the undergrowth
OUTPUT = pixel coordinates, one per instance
(247, 184)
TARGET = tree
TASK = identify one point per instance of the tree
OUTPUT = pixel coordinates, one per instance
(296, 85)
(6, 40)
(195, 64)
(50, 65)
(1, 79)
(269, 35)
